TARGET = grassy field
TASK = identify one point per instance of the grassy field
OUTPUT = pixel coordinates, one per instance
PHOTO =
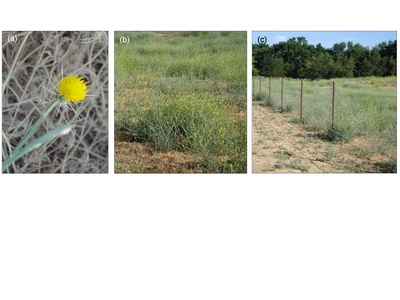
(365, 109)
(181, 92)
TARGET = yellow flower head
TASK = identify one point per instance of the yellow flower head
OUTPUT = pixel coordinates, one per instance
(72, 88)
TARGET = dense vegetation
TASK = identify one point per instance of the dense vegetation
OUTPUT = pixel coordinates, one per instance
(184, 91)
(296, 58)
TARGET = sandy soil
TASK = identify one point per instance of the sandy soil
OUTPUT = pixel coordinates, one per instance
(281, 146)
(133, 157)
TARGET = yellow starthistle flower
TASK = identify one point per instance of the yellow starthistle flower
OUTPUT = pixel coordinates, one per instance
(73, 88)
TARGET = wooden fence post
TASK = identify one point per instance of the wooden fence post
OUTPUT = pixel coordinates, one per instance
(333, 106)
(282, 95)
(260, 85)
(269, 88)
(301, 100)
(253, 87)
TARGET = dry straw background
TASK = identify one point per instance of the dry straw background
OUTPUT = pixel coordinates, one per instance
(40, 59)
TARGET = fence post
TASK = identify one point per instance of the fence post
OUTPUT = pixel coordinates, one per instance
(282, 95)
(269, 88)
(333, 106)
(253, 86)
(260, 85)
(301, 100)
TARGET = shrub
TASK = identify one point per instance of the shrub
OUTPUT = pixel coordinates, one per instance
(340, 133)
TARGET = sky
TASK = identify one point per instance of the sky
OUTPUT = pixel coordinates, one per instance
(327, 38)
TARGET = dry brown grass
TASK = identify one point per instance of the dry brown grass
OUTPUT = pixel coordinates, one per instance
(40, 59)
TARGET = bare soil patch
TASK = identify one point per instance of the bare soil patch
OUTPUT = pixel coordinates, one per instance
(133, 157)
(282, 146)
(390, 87)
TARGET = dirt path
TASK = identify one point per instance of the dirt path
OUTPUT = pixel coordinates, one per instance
(281, 146)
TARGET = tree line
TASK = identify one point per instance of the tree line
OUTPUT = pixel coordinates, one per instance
(295, 58)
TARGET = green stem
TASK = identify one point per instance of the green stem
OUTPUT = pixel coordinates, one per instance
(30, 132)
(35, 126)
(60, 130)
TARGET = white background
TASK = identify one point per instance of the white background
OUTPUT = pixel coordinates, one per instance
(249, 236)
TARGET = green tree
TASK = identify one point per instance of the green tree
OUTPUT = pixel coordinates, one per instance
(320, 66)
(295, 58)
(343, 67)
(295, 53)
(388, 52)
(273, 66)
(362, 62)
(259, 51)
(254, 69)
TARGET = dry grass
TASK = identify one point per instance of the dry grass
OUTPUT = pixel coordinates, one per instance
(40, 59)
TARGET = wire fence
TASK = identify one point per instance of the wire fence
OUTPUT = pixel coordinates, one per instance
(340, 109)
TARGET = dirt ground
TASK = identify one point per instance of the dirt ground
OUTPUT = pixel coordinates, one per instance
(282, 146)
(131, 157)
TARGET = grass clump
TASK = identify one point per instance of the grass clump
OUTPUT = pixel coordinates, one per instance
(260, 97)
(340, 134)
